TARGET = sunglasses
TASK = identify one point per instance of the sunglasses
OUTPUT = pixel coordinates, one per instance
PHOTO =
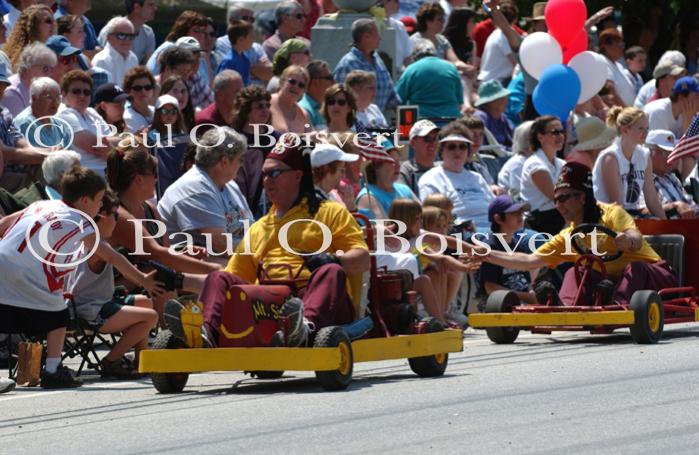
(48, 21)
(556, 132)
(124, 36)
(429, 139)
(67, 60)
(250, 19)
(274, 173)
(563, 198)
(329, 77)
(169, 111)
(262, 106)
(340, 102)
(460, 146)
(140, 88)
(296, 83)
(83, 92)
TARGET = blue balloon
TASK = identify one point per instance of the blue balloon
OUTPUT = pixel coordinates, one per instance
(557, 92)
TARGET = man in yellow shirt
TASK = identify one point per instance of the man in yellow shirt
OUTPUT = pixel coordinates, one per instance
(639, 267)
(296, 224)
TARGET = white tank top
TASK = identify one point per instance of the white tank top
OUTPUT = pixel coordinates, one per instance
(631, 176)
(27, 282)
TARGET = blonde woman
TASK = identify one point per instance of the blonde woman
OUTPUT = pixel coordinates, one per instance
(287, 116)
(623, 172)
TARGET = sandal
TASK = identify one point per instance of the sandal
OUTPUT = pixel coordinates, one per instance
(119, 370)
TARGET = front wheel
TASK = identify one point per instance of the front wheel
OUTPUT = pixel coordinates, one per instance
(649, 319)
(335, 337)
(502, 302)
(430, 366)
(168, 382)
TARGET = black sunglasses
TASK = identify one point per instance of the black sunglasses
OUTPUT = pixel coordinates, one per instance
(274, 173)
(299, 84)
(338, 102)
(140, 88)
(461, 146)
(83, 92)
(556, 132)
(125, 36)
(563, 198)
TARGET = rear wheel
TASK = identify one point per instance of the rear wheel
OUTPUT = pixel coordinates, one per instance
(432, 365)
(331, 337)
(168, 382)
(502, 302)
(649, 320)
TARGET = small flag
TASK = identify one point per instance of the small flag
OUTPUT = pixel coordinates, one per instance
(370, 150)
(688, 144)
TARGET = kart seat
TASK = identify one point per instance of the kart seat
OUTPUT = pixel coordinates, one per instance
(670, 247)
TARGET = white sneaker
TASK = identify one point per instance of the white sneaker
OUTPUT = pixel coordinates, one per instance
(6, 385)
(300, 327)
(453, 314)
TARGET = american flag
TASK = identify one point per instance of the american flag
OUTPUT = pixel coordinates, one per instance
(688, 144)
(370, 150)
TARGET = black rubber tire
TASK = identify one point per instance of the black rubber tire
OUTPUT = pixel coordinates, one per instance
(330, 337)
(430, 366)
(502, 302)
(168, 382)
(649, 318)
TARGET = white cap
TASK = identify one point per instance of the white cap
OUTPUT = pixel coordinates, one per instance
(324, 154)
(188, 42)
(166, 99)
(455, 138)
(422, 128)
(662, 138)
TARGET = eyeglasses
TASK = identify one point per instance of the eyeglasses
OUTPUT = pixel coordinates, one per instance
(68, 59)
(460, 146)
(46, 69)
(124, 36)
(83, 92)
(340, 102)
(329, 77)
(556, 132)
(298, 84)
(140, 88)
(48, 21)
(169, 111)
(48, 96)
(429, 139)
(274, 173)
(563, 198)
(261, 106)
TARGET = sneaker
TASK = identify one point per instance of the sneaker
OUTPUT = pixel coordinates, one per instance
(172, 314)
(545, 290)
(63, 378)
(299, 326)
(6, 385)
(453, 314)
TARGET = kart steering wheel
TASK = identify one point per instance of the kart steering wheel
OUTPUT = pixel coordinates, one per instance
(587, 228)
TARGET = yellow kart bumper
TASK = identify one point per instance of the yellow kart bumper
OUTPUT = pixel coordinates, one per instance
(297, 359)
(562, 319)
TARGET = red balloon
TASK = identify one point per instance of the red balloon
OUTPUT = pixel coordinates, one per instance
(564, 19)
(578, 45)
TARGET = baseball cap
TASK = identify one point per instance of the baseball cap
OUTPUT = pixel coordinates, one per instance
(664, 139)
(189, 42)
(422, 128)
(61, 46)
(166, 99)
(110, 93)
(455, 138)
(289, 150)
(504, 204)
(575, 176)
(324, 154)
(684, 85)
(661, 71)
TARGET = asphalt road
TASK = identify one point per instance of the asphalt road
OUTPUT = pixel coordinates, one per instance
(571, 393)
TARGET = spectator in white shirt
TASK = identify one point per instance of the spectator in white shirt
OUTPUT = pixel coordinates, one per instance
(498, 60)
(636, 59)
(139, 12)
(676, 112)
(611, 45)
(116, 58)
(139, 84)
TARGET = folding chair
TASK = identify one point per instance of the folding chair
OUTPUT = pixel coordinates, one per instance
(82, 339)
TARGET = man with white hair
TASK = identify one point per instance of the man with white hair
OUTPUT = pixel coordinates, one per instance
(36, 60)
(138, 12)
(227, 84)
(53, 168)
(260, 65)
(290, 20)
(37, 123)
(79, 8)
(206, 200)
(116, 57)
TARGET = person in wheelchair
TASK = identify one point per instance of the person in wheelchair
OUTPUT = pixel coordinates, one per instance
(321, 298)
(638, 266)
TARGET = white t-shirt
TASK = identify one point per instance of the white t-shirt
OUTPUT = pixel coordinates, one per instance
(660, 117)
(27, 282)
(644, 94)
(194, 202)
(528, 190)
(372, 117)
(510, 176)
(115, 64)
(135, 120)
(403, 44)
(468, 191)
(624, 87)
(631, 187)
(495, 64)
(91, 122)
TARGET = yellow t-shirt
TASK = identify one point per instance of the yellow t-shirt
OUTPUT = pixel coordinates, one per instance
(557, 251)
(343, 233)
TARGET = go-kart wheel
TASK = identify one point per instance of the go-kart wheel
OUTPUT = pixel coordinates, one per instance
(277, 341)
(432, 365)
(168, 382)
(649, 319)
(331, 337)
(501, 302)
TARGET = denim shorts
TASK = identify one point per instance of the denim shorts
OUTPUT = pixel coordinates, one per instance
(112, 307)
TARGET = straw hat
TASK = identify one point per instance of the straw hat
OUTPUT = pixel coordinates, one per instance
(538, 12)
(593, 134)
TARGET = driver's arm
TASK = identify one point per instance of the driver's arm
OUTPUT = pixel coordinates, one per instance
(629, 240)
(517, 261)
(355, 261)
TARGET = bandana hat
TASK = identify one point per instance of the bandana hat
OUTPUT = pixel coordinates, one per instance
(575, 176)
(289, 150)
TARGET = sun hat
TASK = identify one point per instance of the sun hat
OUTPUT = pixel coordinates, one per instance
(490, 91)
(593, 134)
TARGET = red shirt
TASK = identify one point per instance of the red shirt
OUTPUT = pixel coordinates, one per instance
(209, 114)
(483, 30)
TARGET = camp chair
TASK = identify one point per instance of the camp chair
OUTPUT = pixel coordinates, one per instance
(82, 339)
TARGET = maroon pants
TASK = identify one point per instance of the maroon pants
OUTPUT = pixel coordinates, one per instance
(325, 299)
(636, 276)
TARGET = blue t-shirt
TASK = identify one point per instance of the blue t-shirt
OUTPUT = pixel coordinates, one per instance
(237, 62)
(515, 280)
(434, 85)
(49, 135)
(400, 191)
(312, 108)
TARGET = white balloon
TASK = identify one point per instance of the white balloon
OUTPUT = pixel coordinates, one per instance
(591, 68)
(538, 51)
